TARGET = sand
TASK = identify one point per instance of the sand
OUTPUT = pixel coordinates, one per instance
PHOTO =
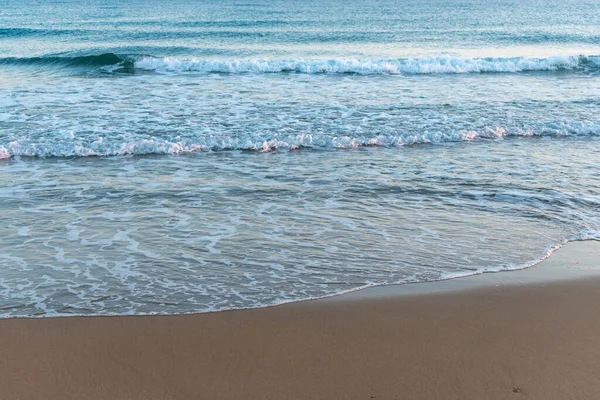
(498, 337)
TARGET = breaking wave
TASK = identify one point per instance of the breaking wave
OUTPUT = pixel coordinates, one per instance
(437, 65)
(110, 62)
(130, 144)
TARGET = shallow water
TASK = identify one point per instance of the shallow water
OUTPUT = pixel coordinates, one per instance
(202, 156)
(226, 230)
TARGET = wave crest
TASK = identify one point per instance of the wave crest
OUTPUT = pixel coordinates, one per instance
(111, 62)
(436, 65)
(144, 145)
(96, 60)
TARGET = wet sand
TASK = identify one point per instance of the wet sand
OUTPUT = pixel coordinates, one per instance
(532, 334)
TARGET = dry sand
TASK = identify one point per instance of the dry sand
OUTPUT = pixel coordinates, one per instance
(533, 335)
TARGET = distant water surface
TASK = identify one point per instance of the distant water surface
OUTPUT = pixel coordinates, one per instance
(174, 157)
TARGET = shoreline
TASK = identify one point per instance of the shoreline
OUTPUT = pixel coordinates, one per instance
(579, 251)
(527, 334)
(574, 260)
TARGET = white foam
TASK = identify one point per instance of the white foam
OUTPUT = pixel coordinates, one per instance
(435, 65)
(262, 142)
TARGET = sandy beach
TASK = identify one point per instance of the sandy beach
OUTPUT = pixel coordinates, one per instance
(532, 334)
(299, 200)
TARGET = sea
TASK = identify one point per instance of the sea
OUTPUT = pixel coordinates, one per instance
(188, 156)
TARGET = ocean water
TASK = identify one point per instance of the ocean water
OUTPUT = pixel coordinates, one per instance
(191, 156)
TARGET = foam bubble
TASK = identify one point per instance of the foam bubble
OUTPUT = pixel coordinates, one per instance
(435, 65)
(264, 142)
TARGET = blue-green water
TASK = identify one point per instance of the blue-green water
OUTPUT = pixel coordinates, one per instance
(171, 157)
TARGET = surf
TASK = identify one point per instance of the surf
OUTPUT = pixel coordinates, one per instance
(132, 63)
(142, 144)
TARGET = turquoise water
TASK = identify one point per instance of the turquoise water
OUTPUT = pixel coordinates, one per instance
(174, 157)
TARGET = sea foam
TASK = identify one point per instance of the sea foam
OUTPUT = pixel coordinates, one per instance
(119, 145)
(436, 65)
(129, 63)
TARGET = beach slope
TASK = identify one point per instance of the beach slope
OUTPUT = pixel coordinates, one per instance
(534, 335)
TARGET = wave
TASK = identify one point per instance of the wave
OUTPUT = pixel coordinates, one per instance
(436, 65)
(114, 63)
(121, 145)
(25, 32)
(99, 60)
